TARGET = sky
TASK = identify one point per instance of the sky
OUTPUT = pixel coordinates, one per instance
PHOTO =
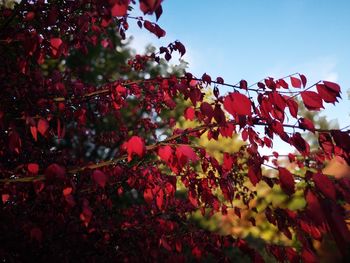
(254, 39)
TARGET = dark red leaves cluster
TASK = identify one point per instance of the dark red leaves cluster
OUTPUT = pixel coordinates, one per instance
(328, 92)
(154, 28)
(96, 170)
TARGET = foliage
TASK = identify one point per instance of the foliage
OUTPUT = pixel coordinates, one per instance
(61, 91)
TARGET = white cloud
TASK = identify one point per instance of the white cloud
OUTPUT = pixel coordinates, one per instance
(322, 68)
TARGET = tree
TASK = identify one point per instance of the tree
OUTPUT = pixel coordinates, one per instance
(134, 203)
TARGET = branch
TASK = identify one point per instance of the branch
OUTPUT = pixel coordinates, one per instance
(128, 83)
(109, 162)
(148, 148)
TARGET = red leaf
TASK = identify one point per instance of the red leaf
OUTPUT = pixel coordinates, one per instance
(134, 146)
(324, 185)
(326, 143)
(15, 142)
(270, 83)
(193, 83)
(159, 12)
(160, 198)
(299, 143)
(33, 168)
(195, 96)
(206, 78)
(104, 43)
(165, 244)
(86, 215)
(34, 132)
(5, 197)
(278, 128)
(190, 113)
(237, 103)
(149, 6)
(148, 195)
(192, 198)
(55, 45)
(38, 186)
(197, 252)
(303, 79)
(220, 80)
(67, 191)
(254, 174)
(148, 25)
(293, 107)
(170, 189)
(120, 8)
(296, 83)
(282, 83)
(333, 86)
(99, 178)
(311, 100)
(43, 126)
(278, 100)
(244, 135)
(155, 29)
(243, 84)
(185, 153)
(60, 130)
(305, 123)
(227, 130)
(342, 139)
(328, 95)
(180, 47)
(277, 252)
(70, 199)
(121, 90)
(338, 227)
(29, 16)
(158, 31)
(314, 209)
(36, 234)
(165, 153)
(55, 42)
(292, 255)
(308, 256)
(207, 110)
(286, 181)
(227, 162)
(55, 171)
(219, 115)
(178, 246)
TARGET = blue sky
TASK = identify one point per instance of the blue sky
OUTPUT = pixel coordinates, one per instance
(253, 39)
